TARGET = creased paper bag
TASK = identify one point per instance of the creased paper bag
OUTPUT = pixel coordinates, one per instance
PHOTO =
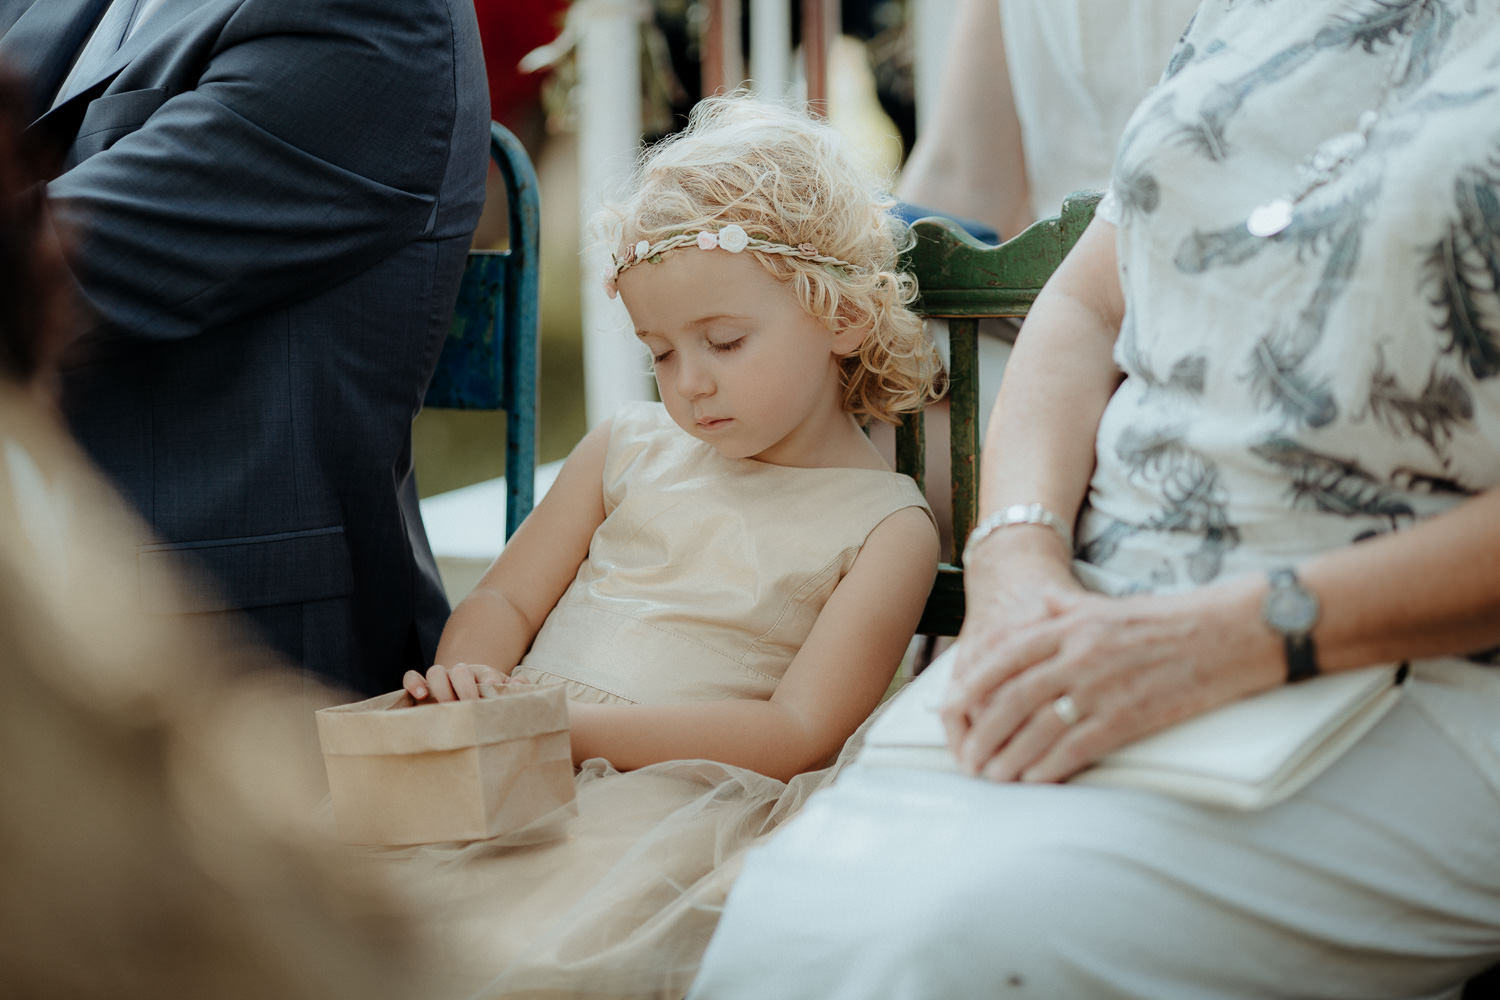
(401, 773)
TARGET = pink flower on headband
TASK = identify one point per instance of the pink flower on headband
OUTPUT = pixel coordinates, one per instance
(708, 241)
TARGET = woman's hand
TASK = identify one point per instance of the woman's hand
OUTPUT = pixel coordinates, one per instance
(1050, 698)
(460, 682)
(1021, 575)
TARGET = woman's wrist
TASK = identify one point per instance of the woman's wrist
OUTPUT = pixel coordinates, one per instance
(1016, 516)
(1230, 614)
(1030, 551)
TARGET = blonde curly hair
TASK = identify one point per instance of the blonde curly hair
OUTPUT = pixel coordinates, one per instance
(785, 178)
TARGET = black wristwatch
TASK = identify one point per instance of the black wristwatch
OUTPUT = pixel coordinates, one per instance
(1291, 610)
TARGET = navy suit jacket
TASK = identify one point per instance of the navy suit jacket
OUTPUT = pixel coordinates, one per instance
(267, 205)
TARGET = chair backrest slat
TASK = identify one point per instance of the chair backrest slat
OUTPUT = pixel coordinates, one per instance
(962, 280)
(489, 359)
(470, 375)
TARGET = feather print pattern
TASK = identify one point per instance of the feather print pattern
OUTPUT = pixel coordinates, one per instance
(1275, 376)
(1275, 370)
(1188, 374)
(1464, 270)
(1330, 484)
(1315, 227)
(1432, 416)
(1241, 427)
(1194, 501)
(1413, 481)
(1381, 25)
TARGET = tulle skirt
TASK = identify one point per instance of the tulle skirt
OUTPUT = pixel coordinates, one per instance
(617, 901)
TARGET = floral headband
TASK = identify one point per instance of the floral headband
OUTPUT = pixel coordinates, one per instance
(732, 238)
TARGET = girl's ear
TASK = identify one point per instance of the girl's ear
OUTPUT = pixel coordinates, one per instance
(848, 340)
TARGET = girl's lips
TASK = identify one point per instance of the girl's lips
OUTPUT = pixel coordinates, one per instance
(712, 423)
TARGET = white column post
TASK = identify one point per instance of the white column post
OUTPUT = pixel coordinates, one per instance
(609, 127)
(771, 48)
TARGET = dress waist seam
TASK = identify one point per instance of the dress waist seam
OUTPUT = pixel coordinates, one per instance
(727, 657)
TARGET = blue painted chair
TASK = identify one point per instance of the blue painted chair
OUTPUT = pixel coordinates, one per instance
(489, 361)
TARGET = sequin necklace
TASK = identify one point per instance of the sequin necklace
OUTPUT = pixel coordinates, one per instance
(1327, 161)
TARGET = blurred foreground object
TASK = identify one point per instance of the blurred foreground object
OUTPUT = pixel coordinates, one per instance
(159, 798)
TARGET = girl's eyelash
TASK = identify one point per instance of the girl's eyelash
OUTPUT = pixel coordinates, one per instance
(729, 345)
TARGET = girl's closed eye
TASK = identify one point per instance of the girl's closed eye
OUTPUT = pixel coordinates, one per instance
(657, 359)
(728, 345)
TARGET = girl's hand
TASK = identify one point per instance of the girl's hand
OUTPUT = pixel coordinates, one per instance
(460, 682)
(1126, 667)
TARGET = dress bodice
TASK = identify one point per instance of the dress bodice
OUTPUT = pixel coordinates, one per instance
(707, 573)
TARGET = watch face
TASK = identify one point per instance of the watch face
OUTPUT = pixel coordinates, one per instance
(1289, 608)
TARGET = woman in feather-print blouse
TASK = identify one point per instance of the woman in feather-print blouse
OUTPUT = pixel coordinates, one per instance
(1283, 338)
(1276, 347)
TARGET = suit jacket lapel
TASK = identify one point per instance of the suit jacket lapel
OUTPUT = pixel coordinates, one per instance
(41, 43)
(160, 21)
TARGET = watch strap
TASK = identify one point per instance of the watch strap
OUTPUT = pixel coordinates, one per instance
(1301, 657)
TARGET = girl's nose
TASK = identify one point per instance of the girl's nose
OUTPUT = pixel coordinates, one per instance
(694, 380)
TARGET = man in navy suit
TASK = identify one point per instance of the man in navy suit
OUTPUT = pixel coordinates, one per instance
(267, 205)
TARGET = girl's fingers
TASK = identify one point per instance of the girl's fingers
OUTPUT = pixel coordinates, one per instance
(460, 682)
(489, 675)
(491, 681)
(439, 686)
(464, 680)
(415, 685)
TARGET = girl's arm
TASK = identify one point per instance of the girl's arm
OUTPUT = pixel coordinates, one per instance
(495, 624)
(834, 682)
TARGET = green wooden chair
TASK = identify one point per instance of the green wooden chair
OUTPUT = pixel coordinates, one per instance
(489, 360)
(964, 281)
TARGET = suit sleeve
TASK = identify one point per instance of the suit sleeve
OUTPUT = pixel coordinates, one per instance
(312, 143)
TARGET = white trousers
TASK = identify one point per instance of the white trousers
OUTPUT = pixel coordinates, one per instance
(1380, 879)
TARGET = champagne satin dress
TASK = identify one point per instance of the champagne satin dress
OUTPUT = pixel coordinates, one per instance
(701, 584)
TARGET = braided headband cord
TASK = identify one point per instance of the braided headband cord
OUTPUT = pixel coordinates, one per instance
(732, 238)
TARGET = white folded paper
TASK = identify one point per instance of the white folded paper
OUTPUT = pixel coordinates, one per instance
(1245, 755)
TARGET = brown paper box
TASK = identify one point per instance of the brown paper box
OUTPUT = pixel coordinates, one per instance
(401, 773)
